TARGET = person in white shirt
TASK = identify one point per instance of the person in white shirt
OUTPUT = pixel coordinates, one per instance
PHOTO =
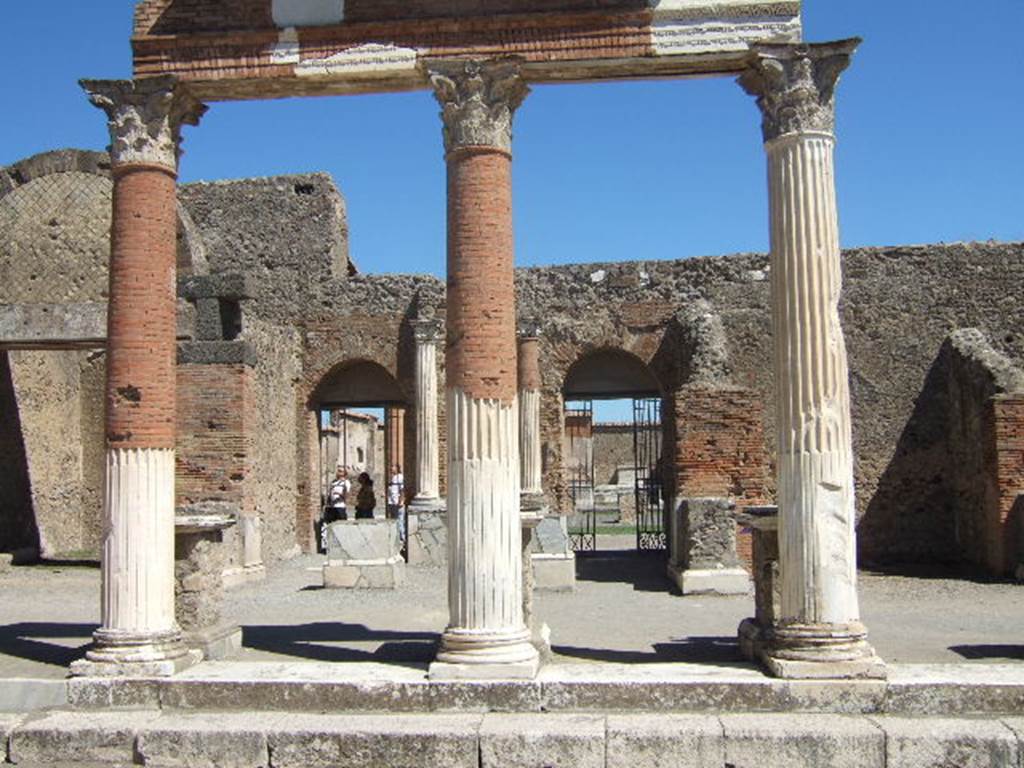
(337, 504)
(396, 500)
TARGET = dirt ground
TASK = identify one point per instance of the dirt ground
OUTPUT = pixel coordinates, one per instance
(622, 611)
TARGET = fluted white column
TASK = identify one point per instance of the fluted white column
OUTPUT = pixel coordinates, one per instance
(529, 414)
(819, 633)
(427, 333)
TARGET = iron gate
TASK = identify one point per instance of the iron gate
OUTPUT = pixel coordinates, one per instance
(650, 502)
(579, 428)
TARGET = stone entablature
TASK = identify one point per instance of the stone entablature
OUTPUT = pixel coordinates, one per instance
(286, 47)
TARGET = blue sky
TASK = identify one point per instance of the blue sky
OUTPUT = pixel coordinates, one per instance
(931, 131)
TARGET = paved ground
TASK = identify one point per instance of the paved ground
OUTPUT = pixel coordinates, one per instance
(622, 611)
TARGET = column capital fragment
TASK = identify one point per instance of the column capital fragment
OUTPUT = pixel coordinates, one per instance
(794, 84)
(478, 99)
(145, 118)
(428, 330)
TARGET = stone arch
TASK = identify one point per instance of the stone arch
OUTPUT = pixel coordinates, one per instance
(610, 372)
(357, 382)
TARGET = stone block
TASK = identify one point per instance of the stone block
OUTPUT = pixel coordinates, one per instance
(79, 738)
(6, 562)
(551, 536)
(960, 689)
(485, 696)
(710, 581)
(542, 741)
(554, 572)
(368, 576)
(220, 642)
(359, 741)
(428, 537)
(939, 742)
(704, 534)
(784, 741)
(362, 541)
(201, 741)
(113, 693)
(664, 741)
(519, 670)
(26, 694)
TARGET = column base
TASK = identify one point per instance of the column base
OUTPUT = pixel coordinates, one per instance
(131, 654)
(218, 642)
(710, 581)
(812, 652)
(479, 655)
(431, 504)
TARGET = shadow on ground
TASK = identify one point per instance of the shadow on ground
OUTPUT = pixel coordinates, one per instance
(28, 640)
(694, 650)
(644, 570)
(318, 642)
(982, 652)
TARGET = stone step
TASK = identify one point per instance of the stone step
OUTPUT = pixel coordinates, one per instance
(950, 690)
(270, 739)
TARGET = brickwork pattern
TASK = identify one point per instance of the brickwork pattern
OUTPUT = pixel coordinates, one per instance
(141, 348)
(481, 344)
(1008, 435)
(213, 436)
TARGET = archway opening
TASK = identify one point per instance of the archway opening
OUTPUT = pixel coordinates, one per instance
(613, 449)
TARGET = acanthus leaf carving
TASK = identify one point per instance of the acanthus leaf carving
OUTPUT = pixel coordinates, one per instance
(794, 84)
(478, 100)
(145, 118)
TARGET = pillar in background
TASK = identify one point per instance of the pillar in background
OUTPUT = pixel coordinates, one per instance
(819, 633)
(427, 331)
(486, 635)
(139, 635)
(394, 439)
(531, 491)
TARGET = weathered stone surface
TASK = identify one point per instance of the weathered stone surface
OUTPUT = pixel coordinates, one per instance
(362, 541)
(114, 693)
(529, 741)
(706, 534)
(338, 575)
(25, 695)
(204, 741)
(428, 538)
(84, 737)
(357, 741)
(954, 689)
(939, 742)
(554, 572)
(784, 741)
(664, 741)
(62, 326)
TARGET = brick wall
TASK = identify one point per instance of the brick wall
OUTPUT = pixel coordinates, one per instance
(213, 456)
(1008, 436)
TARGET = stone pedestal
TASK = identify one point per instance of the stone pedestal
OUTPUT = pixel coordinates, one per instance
(363, 554)
(138, 635)
(554, 562)
(702, 548)
(818, 633)
(250, 529)
(427, 531)
(530, 517)
(199, 587)
(486, 636)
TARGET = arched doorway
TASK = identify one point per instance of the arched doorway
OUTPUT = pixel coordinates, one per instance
(614, 450)
(360, 421)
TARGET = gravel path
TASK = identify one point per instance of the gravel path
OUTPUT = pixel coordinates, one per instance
(621, 611)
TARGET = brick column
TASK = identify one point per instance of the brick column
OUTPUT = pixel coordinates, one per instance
(139, 635)
(819, 633)
(427, 499)
(394, 438)
(486, 635)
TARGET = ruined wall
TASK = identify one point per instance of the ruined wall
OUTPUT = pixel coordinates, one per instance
(985, 451)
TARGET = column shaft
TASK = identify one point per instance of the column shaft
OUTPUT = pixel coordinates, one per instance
(486, 628)
(427, 475)
(815, 463)
(529, 416)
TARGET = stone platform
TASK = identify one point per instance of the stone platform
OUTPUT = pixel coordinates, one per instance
(574, 715)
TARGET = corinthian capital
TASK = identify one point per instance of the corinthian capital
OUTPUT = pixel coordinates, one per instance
(145, 118)
(427, 330)
(794, 84)
(477, 100)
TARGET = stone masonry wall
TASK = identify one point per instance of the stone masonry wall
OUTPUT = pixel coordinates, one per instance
(984, 451)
